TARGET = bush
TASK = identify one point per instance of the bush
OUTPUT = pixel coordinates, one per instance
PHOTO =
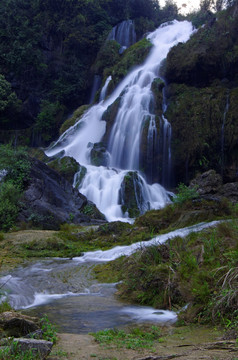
(184, 194)
(9, 197)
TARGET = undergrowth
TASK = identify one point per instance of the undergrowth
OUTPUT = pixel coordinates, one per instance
(135, 338)
(200, 270)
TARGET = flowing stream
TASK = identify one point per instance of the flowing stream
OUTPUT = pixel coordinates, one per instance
(123, 155)
(67, 292)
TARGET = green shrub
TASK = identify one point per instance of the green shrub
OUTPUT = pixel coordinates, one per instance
(184, 193)
(9, 196)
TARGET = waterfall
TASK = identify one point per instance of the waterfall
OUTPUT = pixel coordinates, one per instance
(103, 185)
(124, 34)
(223, 134)
(96, 86)
(103, 93)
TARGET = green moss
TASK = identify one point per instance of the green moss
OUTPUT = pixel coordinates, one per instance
(66, 166)
(133, 56)
(73, 119)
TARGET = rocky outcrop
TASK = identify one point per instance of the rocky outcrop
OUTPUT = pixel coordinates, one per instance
(50, 200)
(209, 185)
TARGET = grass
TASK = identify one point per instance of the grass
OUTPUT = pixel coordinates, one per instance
(135, 338)
(201, 270)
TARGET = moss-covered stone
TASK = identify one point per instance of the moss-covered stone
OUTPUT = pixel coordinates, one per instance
(99, 155)
(131, 197)
(211, 53)
(73, 119)
(107, 56)
(66, 166)
(91, 210)
(197, 117)
(133, 56)
(80, 176)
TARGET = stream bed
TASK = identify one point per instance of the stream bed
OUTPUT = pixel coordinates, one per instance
(67, 292)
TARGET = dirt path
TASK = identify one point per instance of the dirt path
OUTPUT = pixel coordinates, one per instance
(178, 343)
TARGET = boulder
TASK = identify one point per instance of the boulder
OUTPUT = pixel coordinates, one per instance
(207, 183)
(39, 348)
(50, 200)
(17, 325)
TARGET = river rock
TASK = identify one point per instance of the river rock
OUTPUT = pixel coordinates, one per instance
(40, 348)
(50, 200)
(17, 325)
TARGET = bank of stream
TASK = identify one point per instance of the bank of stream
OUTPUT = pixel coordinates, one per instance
(68, 293)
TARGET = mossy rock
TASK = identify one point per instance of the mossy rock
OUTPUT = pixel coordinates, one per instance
(211, 53)
(131, 197)
(133, 56)
(107, 56)
(73, 119)
(80, 176)
(92, 211)
(66, 166)
(197, 116)
(99, 155)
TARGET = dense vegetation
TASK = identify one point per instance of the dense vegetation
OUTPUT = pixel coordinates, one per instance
(47, 49)
(199, 270)
(202, 98)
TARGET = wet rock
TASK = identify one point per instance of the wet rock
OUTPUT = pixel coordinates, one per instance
(50, 200)
(131, 197)
(99, 155)
(66, 166)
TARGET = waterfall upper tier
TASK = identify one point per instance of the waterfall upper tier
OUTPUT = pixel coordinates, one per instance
(134, 127)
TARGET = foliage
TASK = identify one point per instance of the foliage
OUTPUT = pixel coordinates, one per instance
(49, 330)
(17, 165)
(184, 193)
(48, 120)
(47, 49)
(9, 197)
(135, 338)
(4, 306)
(200, 269)
(11, 352)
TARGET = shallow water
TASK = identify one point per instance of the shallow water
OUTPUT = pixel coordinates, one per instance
(75, 302)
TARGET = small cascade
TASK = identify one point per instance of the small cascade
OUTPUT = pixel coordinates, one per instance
(152, 148)
(103, 93)
(223, 134)
(96, 86)
(132, 127)
(124, 34)
(166, 161)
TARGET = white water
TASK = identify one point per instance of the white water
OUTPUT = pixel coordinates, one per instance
(124, 34)
(116, 252)
(102, 184)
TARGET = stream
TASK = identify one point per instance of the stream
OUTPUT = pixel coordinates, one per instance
(66, 291)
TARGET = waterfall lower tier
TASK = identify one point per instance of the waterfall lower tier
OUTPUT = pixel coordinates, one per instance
(125, 143)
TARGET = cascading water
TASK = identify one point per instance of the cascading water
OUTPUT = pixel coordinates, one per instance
(124, 34)
(101, 184)
(96, 86)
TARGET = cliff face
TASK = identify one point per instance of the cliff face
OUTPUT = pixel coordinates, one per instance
(202, 93)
